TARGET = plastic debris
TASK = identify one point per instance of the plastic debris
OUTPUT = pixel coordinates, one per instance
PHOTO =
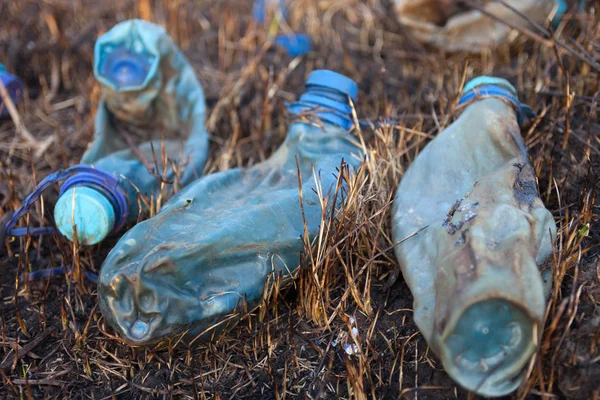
(14, 88)
(294, 44)
(351, 348)
(259, 9)
(563, 6)
(455, 26)
(48, 273)
(477, 262)
(149, 92)
(217, 243)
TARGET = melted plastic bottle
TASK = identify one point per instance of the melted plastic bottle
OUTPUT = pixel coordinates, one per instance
(149, 91)
(454, 26)
(14, 88)
(216, 242)
(475, 265)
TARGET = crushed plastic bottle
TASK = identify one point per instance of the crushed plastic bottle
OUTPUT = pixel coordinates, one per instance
(475, 241)
(14, 88)
(454, 26)
(218, 241)
(149, 91)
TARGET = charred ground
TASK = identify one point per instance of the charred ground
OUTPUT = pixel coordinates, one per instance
(55, 343)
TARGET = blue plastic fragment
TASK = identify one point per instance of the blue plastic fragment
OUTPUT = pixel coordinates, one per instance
(295, 45)
(14, 87)
(259, 10)
(562, 9)
(48, 273)
(560, 12)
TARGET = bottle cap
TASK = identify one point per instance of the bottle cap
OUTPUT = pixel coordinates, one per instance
(327, 92)
(89, 210)
(333, 80)
(295, 45)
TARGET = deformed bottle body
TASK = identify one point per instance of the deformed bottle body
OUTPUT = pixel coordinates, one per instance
(216, 244)
(152, 110)
(475, 264)
(454, 26)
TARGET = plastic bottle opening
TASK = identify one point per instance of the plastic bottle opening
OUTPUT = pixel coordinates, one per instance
(489, 346)
(124, 68)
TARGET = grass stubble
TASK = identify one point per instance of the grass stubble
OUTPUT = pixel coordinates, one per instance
(350, 292)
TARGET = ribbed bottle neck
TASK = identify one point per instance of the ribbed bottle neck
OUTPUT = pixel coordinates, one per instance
(328, 94)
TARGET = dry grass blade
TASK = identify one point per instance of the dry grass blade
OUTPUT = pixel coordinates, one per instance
(294, 345)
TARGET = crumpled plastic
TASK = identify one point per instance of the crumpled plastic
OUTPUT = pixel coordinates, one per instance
(474, 240)
(217, 242)
(448, 24)
(169, 103)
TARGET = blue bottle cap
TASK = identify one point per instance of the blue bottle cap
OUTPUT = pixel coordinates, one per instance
(125, 68)
(489, 80)
(295, 45)
(327, 92)
(89, 210)
(333, 80)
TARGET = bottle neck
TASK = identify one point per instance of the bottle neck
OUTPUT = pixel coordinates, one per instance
(523, 111)
(330, 105)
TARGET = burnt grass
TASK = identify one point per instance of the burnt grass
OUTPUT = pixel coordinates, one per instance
(55, 343)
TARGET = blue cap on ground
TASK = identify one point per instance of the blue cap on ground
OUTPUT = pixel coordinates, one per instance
(295, 45)
(488, 80)
(14, 87)
(125, 68)
(327, 92)
(89, 210)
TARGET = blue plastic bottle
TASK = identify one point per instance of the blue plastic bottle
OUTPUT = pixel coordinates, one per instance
(149, 90)
(218, 241)
(475, 241)
(14, 87)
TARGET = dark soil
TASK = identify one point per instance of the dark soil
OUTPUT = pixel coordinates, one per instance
(55, 343)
